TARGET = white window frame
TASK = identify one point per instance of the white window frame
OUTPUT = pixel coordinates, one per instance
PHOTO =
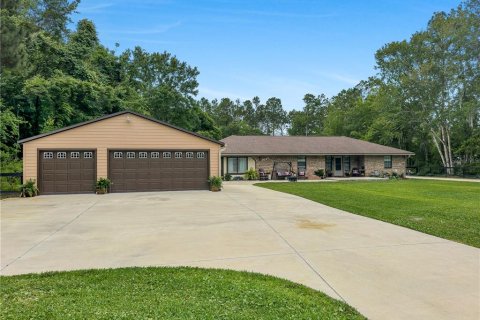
(131, 155)
(189, 155)
(117, 155)
(200, 155)
(61, 155)
(88, 155)
(74, 155)
(178, 155)
(48, 155)
(167, 155)
(155, 155)
(143, 155)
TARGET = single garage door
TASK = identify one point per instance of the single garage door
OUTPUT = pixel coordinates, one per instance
(158, 170)
(67, 171)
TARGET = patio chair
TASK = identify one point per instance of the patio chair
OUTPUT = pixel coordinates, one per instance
(356, 172)
(301, 175)
(262, 175)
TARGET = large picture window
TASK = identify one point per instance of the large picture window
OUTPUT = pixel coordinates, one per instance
(387, 162)
(237, 165)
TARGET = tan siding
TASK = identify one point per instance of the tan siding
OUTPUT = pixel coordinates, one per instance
(115, 133)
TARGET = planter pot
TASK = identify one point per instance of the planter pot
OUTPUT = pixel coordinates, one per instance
(102, 191)
(215, 189)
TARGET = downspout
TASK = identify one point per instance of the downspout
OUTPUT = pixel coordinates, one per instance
(220, 161)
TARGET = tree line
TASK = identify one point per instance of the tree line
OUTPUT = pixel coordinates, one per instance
(424, 98)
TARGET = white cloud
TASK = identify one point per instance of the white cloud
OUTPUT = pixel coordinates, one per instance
(94, 8)
(153, 30)
(339, 77)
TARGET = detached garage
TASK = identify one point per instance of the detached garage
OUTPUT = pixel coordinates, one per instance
(135, 152)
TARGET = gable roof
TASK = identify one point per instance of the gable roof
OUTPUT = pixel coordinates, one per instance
(304, 145)
(114, 115)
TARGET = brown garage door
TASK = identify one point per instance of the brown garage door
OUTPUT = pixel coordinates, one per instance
(66, 171)
(158, 170)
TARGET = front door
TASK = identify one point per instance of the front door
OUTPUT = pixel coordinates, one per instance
(337, 167)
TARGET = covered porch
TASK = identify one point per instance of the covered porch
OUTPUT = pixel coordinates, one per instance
(345, 165)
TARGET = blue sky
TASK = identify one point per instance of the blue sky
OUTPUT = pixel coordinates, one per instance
(267, 48)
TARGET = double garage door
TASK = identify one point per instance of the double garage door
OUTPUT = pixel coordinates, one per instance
(74, 171)
(157, 170)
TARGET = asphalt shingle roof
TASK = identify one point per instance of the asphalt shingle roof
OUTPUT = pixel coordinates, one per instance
(304, 145)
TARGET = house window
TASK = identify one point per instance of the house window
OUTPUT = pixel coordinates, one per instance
(178, 155)
(130, 155)
(237, 165)
(387, 162)
(329, 163)
(118, 155)
(200, 155)
(88, 155)
(74, 155)
(142, 155)
(48, 155)
(61, 155)
(346, 163)
(155, 155)
(302, 163)
(189, 155)
(167, 155)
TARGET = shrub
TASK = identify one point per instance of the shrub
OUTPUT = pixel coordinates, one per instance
(103, 184)
(227, 177)
(319, 173)
(215, 183)
(251, 174)
(394, 176)
(29, 189)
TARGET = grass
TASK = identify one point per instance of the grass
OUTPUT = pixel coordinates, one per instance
(446, 209)
(163, 293)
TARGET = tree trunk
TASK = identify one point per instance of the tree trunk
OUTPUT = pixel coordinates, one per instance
(442, 143)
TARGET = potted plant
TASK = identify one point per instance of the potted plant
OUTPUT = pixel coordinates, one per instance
(227, 177)
(320, 173)
(251, 174)
(29, 189)
(102, 186)
(215, 183)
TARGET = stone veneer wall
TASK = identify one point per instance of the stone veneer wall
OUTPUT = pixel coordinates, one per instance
(313, 163)
(373, 163)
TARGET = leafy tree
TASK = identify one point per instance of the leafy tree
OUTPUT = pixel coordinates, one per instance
(437, 72)
(310, 120)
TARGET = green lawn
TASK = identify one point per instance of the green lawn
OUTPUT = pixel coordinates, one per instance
(446, 209)
(163, 293)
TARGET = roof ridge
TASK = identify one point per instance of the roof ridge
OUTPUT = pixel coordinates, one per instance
(112, 115)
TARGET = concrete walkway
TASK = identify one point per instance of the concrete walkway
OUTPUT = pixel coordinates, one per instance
(443, 179)
(385, 271)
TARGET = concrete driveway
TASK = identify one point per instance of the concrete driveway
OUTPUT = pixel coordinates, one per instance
(385, 271)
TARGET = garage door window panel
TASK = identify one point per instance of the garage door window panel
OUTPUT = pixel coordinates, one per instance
(130, 155)
(48, 155)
